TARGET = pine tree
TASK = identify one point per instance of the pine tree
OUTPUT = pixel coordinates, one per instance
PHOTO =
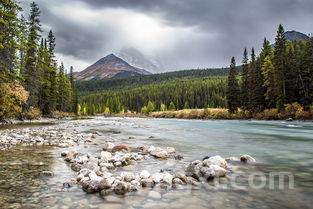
(8, 37)
(245, 84)
(256, 84)
(51, 48)
(233, 91)
(74, 91)
(268, 81)
(279, 67)
(30, 73)
(53, 74)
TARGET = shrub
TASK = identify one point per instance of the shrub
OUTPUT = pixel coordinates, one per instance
(60, 114)
(268, 114)
(12, 97)
(292, 109)
(32, 113)
(144, 110)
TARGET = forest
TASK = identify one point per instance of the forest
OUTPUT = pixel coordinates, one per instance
(280, 77)
(166, 95)
(32, 83)
(118, 83)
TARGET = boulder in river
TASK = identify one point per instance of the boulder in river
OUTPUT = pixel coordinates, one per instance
(215, 160)
(247, 159)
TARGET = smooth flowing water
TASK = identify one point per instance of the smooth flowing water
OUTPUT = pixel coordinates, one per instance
(277, 146)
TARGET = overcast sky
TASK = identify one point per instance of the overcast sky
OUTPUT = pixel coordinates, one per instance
(180, 33)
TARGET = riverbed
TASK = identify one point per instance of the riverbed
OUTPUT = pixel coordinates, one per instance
(277, 146)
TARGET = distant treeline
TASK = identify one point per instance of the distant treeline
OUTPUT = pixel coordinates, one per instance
(115, 83)
(166, 95)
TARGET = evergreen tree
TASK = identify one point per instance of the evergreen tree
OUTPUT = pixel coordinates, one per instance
(279, 67)
(74, 91)
(172, 107)
(245, 84)
(268, 81)
(30, 73)
(256, 84)
(233, 91)
(8, 37)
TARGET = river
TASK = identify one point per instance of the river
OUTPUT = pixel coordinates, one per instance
(279, 148)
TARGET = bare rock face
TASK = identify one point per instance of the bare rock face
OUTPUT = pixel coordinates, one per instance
(108, 67)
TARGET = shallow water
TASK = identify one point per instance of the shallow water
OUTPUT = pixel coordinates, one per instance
(277, 146)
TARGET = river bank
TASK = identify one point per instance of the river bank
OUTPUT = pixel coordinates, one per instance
(58, 165)
(223, 114)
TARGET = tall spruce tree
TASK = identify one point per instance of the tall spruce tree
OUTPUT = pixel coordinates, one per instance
(30, 72)
(53, 74)
(256, 84)
(8, 37)
(233, 90)
(268, 82)
(74, 91)
(279, 62)
(245, 90)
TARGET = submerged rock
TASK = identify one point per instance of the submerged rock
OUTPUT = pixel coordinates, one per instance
(47, 173)
(154, 195)
(121, 148)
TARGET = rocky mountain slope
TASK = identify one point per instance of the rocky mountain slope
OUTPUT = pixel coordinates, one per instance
(109, 67)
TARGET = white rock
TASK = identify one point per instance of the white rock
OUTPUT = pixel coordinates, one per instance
(159, 153)
(144, 174)
(167, 178)
(105, 156)
(151, 148)
(215, 160)
(108, 146)
(247, 159)
(157, 177)
(219, 171)
(170, 150)
(128, 176)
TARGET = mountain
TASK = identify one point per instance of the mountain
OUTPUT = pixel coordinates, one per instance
(296, 36)
(137, 59)
(110, 66)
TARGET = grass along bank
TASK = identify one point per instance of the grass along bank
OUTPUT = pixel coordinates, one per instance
(291, 111)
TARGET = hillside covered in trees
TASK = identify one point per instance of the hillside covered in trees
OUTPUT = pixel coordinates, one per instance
(118, 83)
(31, 81)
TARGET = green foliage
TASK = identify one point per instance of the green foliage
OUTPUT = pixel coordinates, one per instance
(162, 107)
(233, 91)
(150, 107)
(24, 60)
(121, 83)
(199, 92)
(171, 107)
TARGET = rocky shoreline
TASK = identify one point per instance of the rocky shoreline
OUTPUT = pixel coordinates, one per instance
(101, 172)
(95, 173)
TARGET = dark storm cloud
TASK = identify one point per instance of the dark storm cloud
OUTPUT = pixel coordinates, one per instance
(230, 26)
